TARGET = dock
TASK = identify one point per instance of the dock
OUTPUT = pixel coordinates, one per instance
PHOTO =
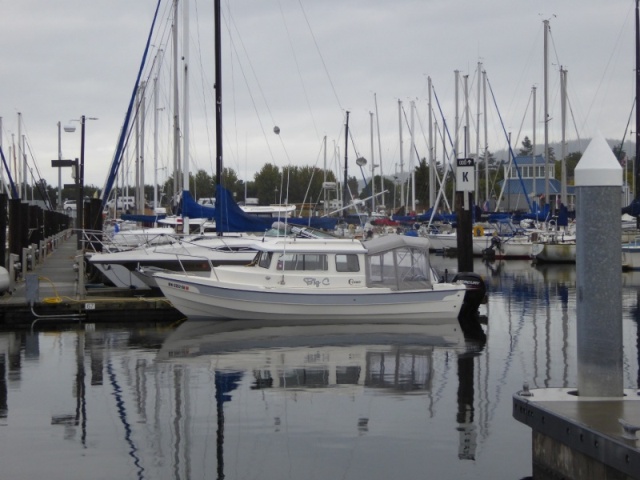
(51, 291)
(574, 437)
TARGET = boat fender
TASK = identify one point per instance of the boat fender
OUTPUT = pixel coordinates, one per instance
(478, 231)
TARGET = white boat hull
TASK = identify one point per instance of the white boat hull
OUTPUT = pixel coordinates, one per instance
(554, 252)
(210, 299)
(511, 247)
(631, 256)
(121, 277)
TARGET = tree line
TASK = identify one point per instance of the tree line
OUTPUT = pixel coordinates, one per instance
(304, 185)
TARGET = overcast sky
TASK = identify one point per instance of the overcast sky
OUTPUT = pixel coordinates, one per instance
(300, 65)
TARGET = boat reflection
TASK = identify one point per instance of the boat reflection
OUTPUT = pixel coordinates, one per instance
(289, 361)
(393, 356)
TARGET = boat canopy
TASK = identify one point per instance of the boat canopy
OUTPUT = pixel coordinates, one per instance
(398, 262)
(390, 242)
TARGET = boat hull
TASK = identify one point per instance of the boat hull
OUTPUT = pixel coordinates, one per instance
(209, 299)
(510, 247)
(554, 252)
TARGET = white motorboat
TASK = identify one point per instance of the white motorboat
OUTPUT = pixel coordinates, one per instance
(388, 278)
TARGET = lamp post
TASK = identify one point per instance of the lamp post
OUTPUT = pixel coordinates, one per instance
(80, 177)
(59, 168)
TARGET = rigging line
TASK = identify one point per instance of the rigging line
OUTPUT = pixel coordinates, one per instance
(244, 76)
(113, 170)
(517, 140)
(235, 153)
(295, 59)
(627, 127)
(610, 59)
(204, 93)
(324, 65)
(574, 123)
(510, 148)
(38, 184)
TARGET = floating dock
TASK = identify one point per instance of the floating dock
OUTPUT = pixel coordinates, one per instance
(50, 291)
(586, 438)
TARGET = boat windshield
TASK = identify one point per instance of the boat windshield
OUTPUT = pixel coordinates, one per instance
(400, 268)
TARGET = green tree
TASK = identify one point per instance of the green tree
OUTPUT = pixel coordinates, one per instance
(571, 161)
(203, 185)
(527, 148)
(267, 182)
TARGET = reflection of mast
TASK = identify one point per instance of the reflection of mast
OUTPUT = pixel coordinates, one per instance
(3, 385)
(122, 413)
(225, 383)
(464, 417)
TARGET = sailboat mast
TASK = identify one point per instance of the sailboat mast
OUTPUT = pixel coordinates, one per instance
(176, 106)
(478, 113)
(382, 200)
(218, 92)
(185, 107)
(432, 153)
(373, 166)
(534, 190)
(486, 141)
(563, 177)
(345, 186)
(546, 112)
(636, 182)
(401, 151)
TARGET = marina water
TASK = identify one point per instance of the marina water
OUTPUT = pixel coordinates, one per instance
(249, 400)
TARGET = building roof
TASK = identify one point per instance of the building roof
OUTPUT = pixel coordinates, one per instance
(514, 187)
(524, 160)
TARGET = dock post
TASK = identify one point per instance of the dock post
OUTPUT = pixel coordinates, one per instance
(13, 259)
(598, 180)
(81, 286)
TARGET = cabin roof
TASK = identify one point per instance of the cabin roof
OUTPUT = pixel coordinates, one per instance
(312, 245)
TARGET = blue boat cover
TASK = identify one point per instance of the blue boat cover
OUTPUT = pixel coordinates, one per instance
(230, 217)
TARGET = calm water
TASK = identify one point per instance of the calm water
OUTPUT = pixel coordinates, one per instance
(247, 401)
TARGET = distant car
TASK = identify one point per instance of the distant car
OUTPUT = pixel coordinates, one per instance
(69, 206)
(124, 203)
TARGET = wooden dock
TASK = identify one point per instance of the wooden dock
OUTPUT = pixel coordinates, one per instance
(49, 292)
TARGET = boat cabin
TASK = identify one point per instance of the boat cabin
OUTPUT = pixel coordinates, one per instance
(395, 262)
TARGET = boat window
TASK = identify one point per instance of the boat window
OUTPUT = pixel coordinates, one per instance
(347, 263)
(264, 259)
(302, 261)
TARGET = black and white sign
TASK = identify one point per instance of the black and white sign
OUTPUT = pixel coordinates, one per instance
(465, 175)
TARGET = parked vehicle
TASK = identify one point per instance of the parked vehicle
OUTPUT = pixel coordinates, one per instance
(124, 203)
(69, 206)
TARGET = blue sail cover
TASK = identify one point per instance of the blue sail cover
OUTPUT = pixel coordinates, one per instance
(192, 209)
(230, 217)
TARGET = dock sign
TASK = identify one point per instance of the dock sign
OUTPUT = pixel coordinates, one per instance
(465, 175)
